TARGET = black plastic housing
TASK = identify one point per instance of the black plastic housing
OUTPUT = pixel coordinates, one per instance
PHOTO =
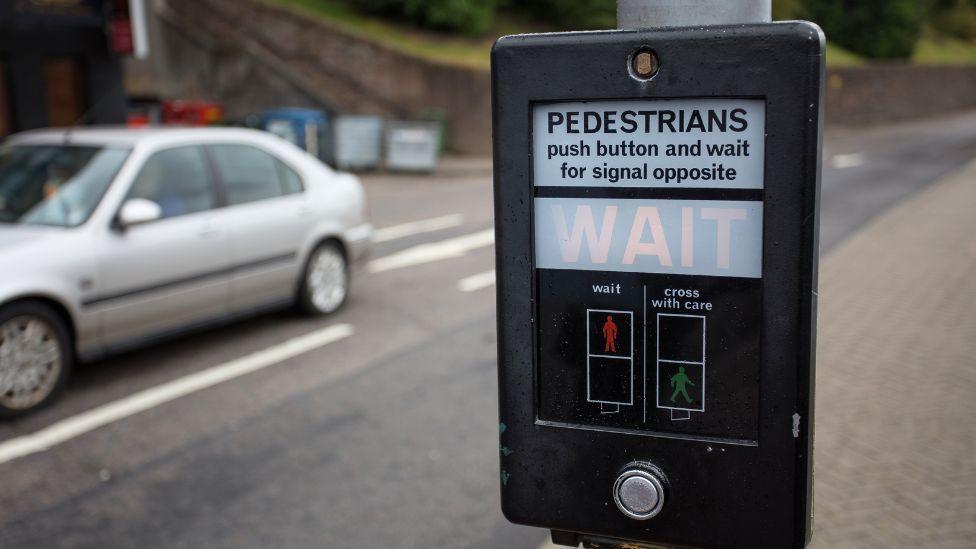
(721, 493)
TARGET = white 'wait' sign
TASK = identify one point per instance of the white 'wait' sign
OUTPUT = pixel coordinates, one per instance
(652, 144)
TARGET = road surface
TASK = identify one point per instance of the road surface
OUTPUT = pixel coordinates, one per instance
(381, 430)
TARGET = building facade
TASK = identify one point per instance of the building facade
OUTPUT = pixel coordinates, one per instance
(60, 63)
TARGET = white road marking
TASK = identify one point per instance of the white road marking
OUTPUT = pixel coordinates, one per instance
(477, 282)
(842, 161)
(77, 425)
(417, 227)
(434, 251)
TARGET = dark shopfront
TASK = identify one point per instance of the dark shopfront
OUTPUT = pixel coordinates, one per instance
(57, 65)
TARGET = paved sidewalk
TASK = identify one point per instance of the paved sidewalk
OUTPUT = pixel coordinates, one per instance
(895, 455)
(895, 447)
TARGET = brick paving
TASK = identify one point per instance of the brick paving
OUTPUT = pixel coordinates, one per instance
(895, 452)
(895, 447)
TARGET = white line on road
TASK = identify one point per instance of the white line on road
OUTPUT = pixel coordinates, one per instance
(434, 251)
(418, 227)
(71, 427)
(842, 161)
(477, 282)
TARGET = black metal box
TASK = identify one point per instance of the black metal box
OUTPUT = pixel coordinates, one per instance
(656, 204)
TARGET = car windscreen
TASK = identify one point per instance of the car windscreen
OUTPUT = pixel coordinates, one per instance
(56, 185)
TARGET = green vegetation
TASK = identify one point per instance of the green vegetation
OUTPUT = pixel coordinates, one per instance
(953, 18)
(443, 48)
(930, 50)
(566, 14)
(879, 29)
(784, 10)
(839, 57)
(460, 32)
(468, 17)
(944, 51)
(925, 31)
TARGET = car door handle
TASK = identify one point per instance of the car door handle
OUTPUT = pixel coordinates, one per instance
(305, 211)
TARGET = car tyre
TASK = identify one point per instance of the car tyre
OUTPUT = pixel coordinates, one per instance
(36, 357)
(325, 282)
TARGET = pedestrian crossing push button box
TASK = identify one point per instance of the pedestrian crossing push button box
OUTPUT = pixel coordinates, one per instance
(657, 256)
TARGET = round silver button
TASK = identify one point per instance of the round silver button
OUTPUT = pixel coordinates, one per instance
(639, 494)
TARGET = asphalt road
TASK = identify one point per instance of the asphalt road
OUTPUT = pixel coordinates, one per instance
(385, 438)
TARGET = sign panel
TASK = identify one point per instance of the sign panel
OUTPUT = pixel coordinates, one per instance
(656, 275)
(686, 143)
(708, 325)
(689, 270)
(692, 237)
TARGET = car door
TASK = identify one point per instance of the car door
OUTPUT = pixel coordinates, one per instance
(172, 272)
(267, 220)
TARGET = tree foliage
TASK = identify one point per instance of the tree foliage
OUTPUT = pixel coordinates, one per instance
(786, 9)
(570, 14)
(955, 18)
(880, 29)
(470, 17)
(883, 29)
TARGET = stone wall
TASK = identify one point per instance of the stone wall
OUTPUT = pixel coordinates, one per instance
(885, 93)
(251, 55)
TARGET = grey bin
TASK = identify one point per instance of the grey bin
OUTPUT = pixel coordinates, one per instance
(412, 146)
(357, 142)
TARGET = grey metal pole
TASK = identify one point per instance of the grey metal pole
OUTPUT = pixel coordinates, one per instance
(637, 14)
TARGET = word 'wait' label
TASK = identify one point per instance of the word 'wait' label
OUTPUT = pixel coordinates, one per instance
(691, 237)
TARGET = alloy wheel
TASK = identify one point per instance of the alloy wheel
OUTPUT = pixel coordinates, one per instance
(30, 361)
(327, 279)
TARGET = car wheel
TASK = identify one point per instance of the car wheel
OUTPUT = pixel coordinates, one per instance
(35, 357)
(325, 285)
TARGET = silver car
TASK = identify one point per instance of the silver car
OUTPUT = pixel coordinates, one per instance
(112, 238)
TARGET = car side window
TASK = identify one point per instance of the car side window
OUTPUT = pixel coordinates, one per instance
(248, 173)
(291, 182)
(177, 180)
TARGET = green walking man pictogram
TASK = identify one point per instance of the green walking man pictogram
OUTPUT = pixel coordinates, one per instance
(680, 381)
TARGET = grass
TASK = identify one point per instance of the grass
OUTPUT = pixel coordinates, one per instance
(839, 57)
(944, 51)
(474, 52)
(443, 48)
(931, 50)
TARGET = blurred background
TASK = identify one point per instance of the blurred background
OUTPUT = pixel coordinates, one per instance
(375, 425)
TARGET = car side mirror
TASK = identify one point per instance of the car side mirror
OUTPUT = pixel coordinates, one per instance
(137, 211)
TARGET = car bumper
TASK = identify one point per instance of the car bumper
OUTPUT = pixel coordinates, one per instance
(359, 241)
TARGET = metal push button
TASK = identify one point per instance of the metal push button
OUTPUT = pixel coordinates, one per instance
(638, 493)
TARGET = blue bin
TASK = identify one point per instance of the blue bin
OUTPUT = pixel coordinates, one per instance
(308, 129)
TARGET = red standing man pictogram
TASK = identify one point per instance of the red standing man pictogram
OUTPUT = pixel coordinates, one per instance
(610, 335)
